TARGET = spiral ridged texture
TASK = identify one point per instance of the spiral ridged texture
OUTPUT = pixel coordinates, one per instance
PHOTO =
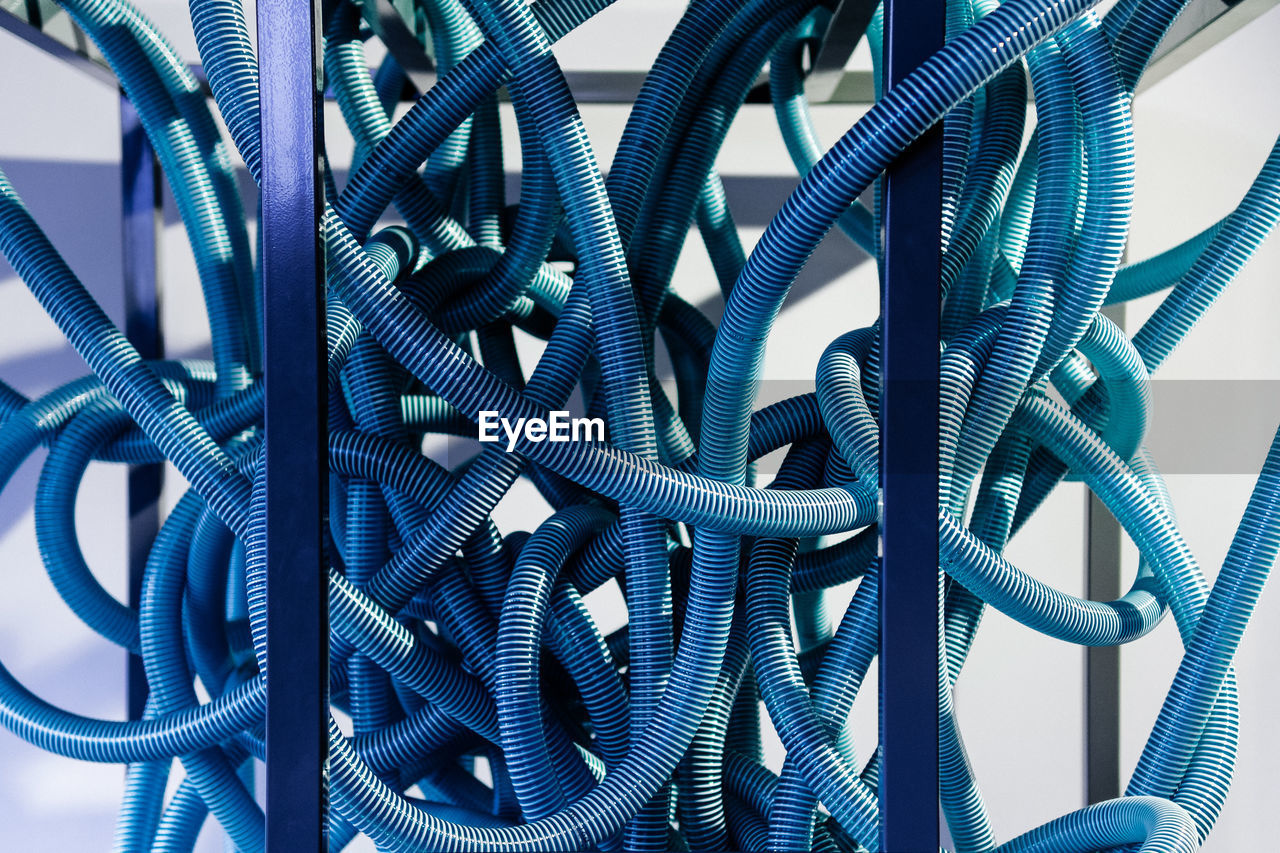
(455, 640)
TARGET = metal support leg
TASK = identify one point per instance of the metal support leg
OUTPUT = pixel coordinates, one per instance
(909, 590)
(140, 193)
(297, 470)
(1102, 664)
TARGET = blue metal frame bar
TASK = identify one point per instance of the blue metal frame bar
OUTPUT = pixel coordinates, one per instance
(297, 469)
(35, 36)
(909, 581)
(140, 221)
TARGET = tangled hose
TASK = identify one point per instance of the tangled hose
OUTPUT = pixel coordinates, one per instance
(454, 640)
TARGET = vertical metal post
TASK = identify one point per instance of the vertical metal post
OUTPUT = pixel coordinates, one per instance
(909, 590)
(140, 194)
(297, 470)
(1102, 664)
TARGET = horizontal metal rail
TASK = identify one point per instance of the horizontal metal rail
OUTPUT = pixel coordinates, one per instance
(1203, 24)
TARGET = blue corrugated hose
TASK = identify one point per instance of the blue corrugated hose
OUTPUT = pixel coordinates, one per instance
(455, 640)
